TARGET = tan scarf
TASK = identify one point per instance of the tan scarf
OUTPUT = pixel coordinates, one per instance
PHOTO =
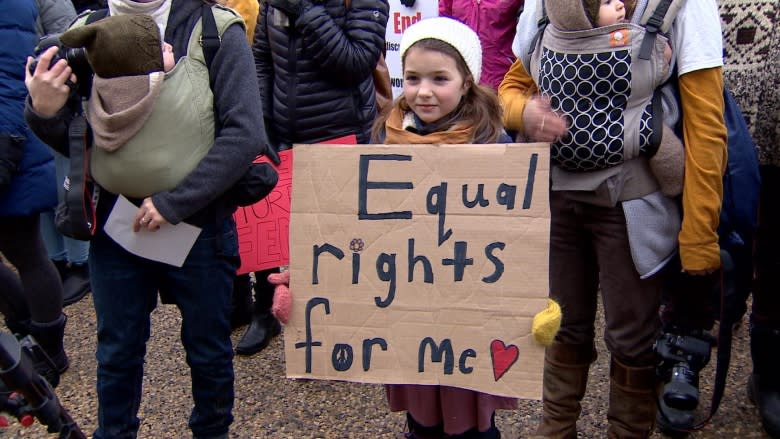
(396, 132)
(119, 107)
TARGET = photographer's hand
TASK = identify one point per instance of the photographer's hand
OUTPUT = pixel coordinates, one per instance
(47, 86)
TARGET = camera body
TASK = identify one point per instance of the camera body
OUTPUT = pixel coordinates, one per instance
(682, 357)
(76, 58)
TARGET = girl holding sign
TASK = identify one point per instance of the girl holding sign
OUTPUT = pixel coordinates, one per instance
(443, 103)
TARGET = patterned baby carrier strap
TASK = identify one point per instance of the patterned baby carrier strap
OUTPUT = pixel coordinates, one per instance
(606, 82)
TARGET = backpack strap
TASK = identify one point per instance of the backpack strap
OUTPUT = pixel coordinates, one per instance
(209, 37)
(542, 20)
(657, 17)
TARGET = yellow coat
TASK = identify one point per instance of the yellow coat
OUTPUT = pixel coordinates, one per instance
(248, 9)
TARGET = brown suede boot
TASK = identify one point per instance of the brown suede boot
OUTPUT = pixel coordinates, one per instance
(632, 401)
(565, 379)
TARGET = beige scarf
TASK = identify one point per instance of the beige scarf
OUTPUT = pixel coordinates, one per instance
(119, 107)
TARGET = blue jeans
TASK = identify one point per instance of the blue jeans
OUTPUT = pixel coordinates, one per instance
(124, 289)
(59, 247)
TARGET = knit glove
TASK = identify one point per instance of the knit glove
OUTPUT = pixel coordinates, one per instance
(282, 303)
(546, 323)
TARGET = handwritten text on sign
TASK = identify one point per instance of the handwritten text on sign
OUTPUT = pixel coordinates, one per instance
(419, 264)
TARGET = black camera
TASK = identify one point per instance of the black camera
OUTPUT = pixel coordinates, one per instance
(76, 58)
(682, 357)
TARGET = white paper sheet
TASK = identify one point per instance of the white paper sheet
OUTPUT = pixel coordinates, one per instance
(170, 244)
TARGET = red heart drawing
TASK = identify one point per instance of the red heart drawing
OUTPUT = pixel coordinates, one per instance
(503, 357)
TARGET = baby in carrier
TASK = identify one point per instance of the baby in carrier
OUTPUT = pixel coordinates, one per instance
(604, 128)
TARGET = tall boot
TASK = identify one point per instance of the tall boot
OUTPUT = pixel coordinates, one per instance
(632, 401)
(264, 326)
(565, 379)
(50, 336)
(241, 302)
(764, 382)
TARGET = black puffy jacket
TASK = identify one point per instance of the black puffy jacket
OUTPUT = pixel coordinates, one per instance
(315, 73)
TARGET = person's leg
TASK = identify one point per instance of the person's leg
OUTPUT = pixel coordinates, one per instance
(75, 271)
(21, 243)
(632, 324)
(125, 293)
(264, 326)
(764, 382)
(202, 290)
(12, 303)
(574, 285)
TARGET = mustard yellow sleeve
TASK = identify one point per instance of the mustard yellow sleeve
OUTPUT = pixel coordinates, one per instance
(248, 9)
(513, 92)
(706, 155)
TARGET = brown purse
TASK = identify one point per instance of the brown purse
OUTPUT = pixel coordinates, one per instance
(382, 85)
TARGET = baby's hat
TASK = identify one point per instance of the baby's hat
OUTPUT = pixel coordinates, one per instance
(452, 32)
(571, 15)
(119, 45)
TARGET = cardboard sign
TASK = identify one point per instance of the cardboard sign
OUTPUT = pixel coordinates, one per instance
(399, 19)
(263, 227)
(420, 264)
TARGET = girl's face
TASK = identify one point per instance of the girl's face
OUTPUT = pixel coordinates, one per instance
(433, 85)
(611, 12)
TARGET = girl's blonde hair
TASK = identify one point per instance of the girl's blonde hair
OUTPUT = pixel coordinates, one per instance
(479, 107)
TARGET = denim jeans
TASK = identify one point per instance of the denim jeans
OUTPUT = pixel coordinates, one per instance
(125, 290)
(59, 247)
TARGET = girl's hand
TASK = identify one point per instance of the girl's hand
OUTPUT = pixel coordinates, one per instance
(47, 87)
(540, 123)
(148, 217)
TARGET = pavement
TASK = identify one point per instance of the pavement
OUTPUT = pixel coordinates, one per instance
(268, 405)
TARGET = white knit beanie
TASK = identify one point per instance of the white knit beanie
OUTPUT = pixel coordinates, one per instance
(452, 32)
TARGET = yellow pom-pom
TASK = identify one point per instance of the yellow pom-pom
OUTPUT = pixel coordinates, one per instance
(547, 323)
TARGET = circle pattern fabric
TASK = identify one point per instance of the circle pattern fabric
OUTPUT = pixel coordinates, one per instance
(591, 90)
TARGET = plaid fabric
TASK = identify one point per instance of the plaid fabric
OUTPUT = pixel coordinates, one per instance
(752, 68)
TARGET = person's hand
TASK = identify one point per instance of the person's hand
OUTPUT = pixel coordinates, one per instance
(540, 123)
(148, 217)
(292, 8)
(282, 303)
(47, 86)
(546, 323)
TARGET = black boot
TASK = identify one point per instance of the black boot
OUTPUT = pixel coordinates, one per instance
(50, 336)
(764, 383)
(264, 326)
(75, 283)
(241, 302)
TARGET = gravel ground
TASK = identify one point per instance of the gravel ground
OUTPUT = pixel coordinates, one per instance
(268, 405)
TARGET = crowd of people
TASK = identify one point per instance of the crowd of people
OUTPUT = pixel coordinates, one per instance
(635, 192)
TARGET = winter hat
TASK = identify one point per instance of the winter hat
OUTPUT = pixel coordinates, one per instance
(568, 15)
(452, 32)
(120, 45)
(592, 8)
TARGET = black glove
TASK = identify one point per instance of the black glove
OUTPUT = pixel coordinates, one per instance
(407, 3)
(11, 153)
(292, 8)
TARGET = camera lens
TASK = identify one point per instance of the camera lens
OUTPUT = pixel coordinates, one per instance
(682, 392)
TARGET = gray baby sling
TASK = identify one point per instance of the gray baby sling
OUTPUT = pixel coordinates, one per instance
(606, 82)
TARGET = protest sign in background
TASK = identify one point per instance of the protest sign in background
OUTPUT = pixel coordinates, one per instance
(263, 227)
(399, 19)
(419, 264)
